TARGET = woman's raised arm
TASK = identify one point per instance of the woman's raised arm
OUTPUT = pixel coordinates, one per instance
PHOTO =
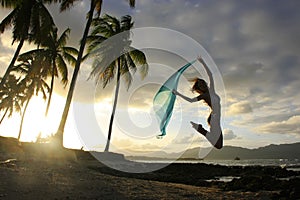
(191, 100)
(211, 80)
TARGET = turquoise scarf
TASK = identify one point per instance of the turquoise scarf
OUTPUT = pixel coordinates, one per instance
(164, 99)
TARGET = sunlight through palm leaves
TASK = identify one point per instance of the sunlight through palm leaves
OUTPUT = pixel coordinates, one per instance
(12, 97)
(115, 57)
(34, 79)
(57, 53)
(95, 5)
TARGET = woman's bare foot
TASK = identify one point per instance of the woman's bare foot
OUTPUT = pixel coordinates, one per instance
(199, 128)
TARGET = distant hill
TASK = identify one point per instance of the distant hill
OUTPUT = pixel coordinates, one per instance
(282, 151)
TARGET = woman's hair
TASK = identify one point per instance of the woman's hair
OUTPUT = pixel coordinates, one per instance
(199, 86)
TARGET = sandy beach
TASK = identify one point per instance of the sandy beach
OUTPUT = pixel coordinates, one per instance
(65, 180)
(31, 172)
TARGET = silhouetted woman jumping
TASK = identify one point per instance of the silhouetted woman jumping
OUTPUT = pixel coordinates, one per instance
(208, 94)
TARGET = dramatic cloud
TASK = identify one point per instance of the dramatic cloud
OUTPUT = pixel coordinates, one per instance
(239, 108)
(291, 125)
(229, 134)
(253, 43)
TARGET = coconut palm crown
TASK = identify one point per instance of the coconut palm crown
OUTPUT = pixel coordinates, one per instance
(110, 43)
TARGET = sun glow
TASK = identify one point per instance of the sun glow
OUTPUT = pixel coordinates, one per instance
(36, 123)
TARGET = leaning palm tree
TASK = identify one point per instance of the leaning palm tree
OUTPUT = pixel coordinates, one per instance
(34, 80)
(30, 20)
(126, 57)
(57, 53)
(12, 97)
(95, 5)
(65, 4)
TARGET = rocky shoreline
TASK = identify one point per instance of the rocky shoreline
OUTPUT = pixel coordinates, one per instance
(284, 183)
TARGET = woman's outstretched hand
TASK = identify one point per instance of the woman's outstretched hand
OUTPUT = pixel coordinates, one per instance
(200, 59)
(174, 92)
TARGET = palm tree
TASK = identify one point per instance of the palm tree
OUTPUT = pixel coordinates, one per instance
(126, 57)
(59, 52)
(30, 20)
(12, 97)
(56, 51)
(34, 81)
(65, 4)
(95, 5)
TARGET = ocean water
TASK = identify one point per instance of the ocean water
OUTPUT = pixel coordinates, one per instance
(290, 164)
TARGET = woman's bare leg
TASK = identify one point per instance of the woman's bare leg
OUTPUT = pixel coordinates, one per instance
(215, 138)
(199, 128)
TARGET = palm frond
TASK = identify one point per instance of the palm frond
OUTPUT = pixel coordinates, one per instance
(113, 22)
(7, 21)
(103, 26)
(21, 68)
(45, 85)
(108, 74)
(99, 65)
(107, 53)
(48, 42)
(17, 107)
(63, 69)
(128, 79)
(47, 22)
(70, 58)
(126, 23)
(64, 37)
(29, 55)
(21, 22)
(125, 71)
(10, 3)
(139, 58)
(70, 50)
(94, 41)
(130, 63)
(41, 90)
(41, 23)
(66, 4)
(35, 25)
(11, 111)
(106, 49)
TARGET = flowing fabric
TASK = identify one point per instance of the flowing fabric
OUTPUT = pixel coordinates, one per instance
(164, 99)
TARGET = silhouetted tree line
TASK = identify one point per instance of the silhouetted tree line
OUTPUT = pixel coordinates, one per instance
(33, 73)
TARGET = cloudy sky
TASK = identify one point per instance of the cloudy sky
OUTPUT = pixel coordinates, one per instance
(252, 48)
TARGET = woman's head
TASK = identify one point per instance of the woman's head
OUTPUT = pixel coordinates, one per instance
(199, 86)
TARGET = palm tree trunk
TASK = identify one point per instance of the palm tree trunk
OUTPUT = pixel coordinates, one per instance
(114, 107)
(51, 89)
(22, 120)
(59, 133)
(4, 115)
(12, 62)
